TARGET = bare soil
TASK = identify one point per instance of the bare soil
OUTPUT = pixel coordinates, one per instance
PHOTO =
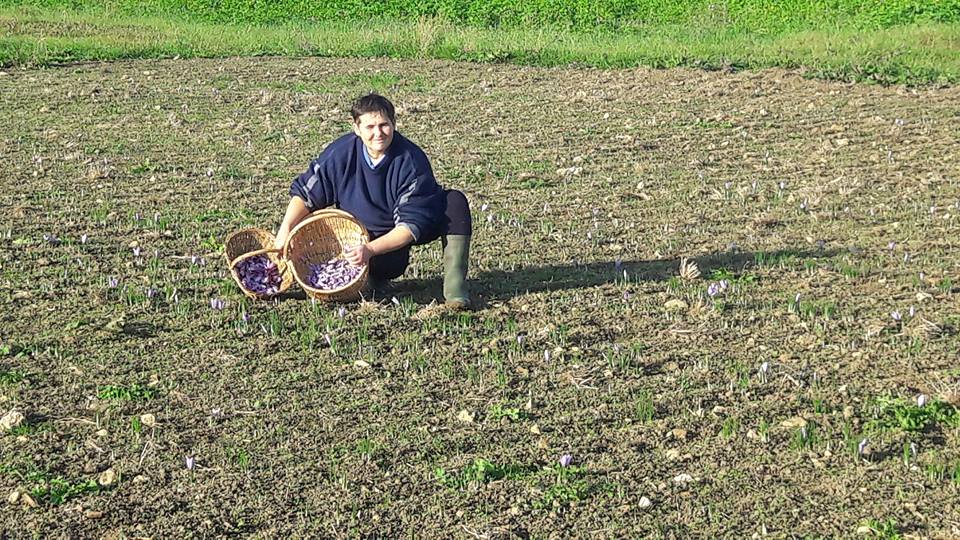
(781, 406)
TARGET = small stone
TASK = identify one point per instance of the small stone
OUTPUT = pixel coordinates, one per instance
(93, 514)
(361, 364)
(140, 479)
(848, 412)
(672, 454)
(465, 416)
(11, 420)
(148, 420)
(107, 478)
(863, 529)
(676, 305)
(644, 503)
(535, 429)
(101, 433)
(14, 497)
(679, 434)
(28, 500)
(682, 479)
(795, 422)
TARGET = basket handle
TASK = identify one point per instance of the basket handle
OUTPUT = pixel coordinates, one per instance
(254, 254)
(331, 212)
(320, 214)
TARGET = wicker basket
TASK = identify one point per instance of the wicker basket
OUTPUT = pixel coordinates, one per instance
(319, 238)
(247, 243)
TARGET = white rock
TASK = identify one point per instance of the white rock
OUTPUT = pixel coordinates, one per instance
(465, 416)
(148, 420)
(107, 478)
(682, 479)
(11, 420)
(795, 422)
(676, 304)
(644, 503)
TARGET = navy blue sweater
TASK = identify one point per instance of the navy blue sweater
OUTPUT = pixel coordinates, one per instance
(400, 190)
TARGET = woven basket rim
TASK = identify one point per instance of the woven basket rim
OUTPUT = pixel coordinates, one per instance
(321, 215)
(231, 264)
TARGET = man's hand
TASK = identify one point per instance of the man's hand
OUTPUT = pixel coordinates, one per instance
(359, 255)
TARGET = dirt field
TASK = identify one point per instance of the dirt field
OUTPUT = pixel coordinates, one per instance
(823, 216)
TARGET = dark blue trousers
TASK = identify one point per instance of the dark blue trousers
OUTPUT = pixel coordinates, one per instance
(457, 222)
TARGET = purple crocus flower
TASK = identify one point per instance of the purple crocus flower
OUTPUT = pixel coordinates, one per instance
(136, 251)
(861, 447)
(151, 292)
(713, 289)
(565, 460)
(112, 282)
(216, 303)
(341, 311)
(921, 400)
(83, 238)
(896, 315)
(189, 463)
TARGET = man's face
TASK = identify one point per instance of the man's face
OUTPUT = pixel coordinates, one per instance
(376, 132)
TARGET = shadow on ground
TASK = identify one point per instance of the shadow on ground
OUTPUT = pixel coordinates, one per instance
(501, 285)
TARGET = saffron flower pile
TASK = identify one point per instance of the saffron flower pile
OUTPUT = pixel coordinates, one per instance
(333, 274)
(260, 275)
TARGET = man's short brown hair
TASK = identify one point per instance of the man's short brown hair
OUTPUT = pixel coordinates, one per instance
(372, 103)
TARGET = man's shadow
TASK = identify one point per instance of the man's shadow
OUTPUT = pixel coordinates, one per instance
(501, 285)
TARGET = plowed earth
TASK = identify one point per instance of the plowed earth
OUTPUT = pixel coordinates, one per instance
(686, 415)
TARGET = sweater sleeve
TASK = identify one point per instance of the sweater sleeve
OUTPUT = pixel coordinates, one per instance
(314, 186)
(419, 206)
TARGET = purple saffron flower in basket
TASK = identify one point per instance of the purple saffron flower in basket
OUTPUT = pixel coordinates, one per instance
(333, 274)
(260, 275)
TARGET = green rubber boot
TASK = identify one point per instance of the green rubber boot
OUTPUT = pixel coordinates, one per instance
(456, 256)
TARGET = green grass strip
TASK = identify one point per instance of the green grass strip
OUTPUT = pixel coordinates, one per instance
(917, 54)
